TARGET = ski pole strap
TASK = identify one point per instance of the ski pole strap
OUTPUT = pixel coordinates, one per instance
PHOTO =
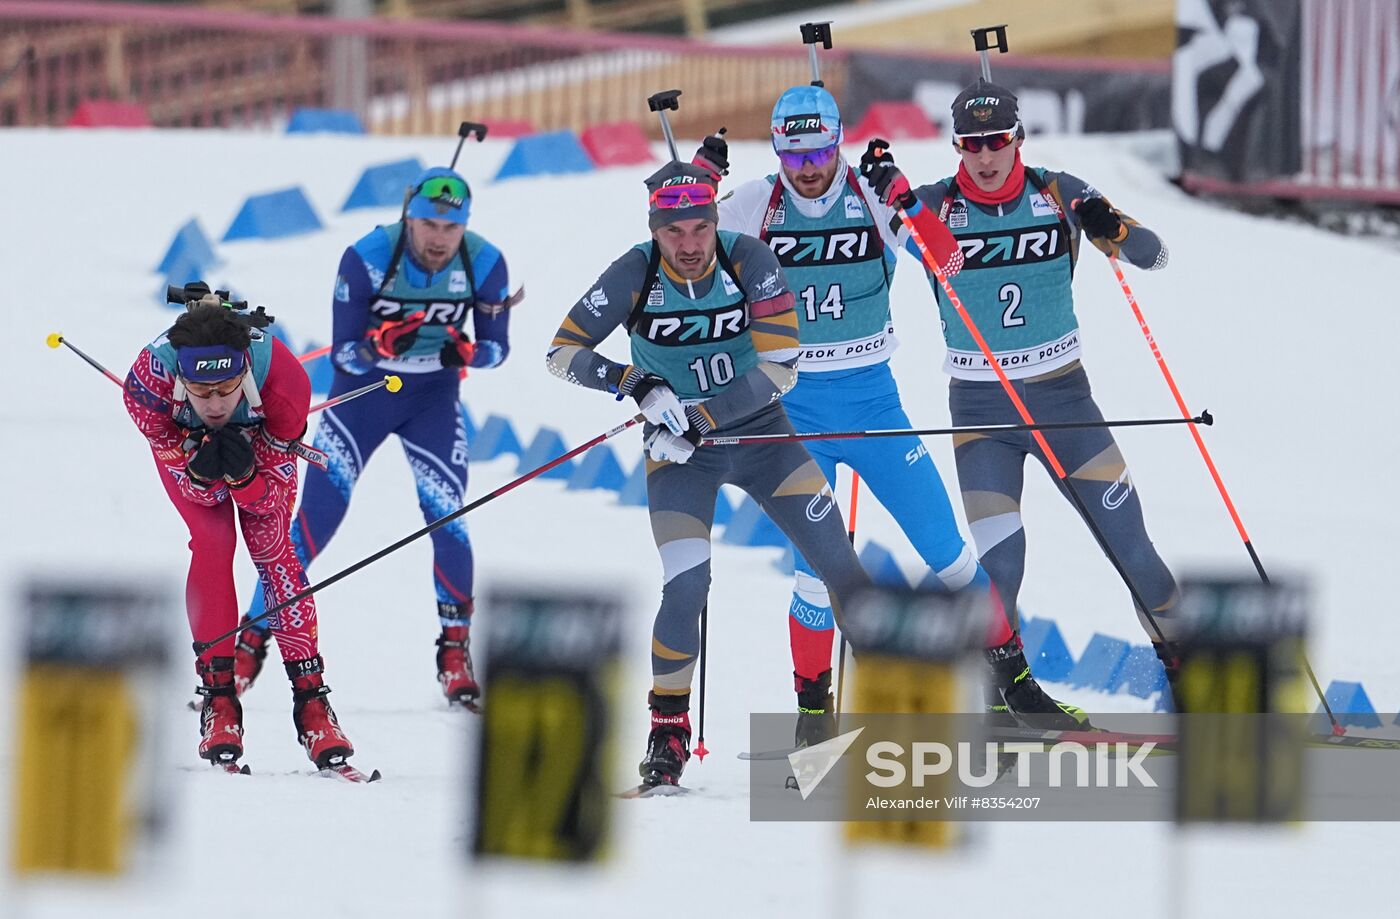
(296, 448)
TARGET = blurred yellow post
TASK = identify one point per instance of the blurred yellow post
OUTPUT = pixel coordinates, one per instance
(87, 732)
(77, 733)
(899, 686)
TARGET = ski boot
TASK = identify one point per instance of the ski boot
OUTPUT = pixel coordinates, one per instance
(248, 656)
(668, 746)
(1025, 701)
(317, 728)
(221, 715)
(454, 666)
(816, 710)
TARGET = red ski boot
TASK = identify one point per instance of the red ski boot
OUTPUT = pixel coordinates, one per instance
(221, 715)
(454, 665)
(316, 724)
(248, 656)
(668, 745)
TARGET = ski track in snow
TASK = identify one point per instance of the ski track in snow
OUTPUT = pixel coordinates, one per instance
(1249, 315)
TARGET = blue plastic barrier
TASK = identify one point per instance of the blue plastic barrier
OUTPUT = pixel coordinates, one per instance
(634, 492)
(1046, 650)
(274, 215)
(324, 121)
(881, 565)
(724, 511)
(598, 468)
(190, 245)
(545, 154)
(1351, 705)
(383, 185)
(1142, 673)
(1098, 667)
(751, 527)
(547, 445)
(496, 438)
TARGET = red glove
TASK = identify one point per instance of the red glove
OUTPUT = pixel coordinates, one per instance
(396, 336)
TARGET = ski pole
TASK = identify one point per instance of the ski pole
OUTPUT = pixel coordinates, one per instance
(1059, 470)
(841, 661)
(201, 646)
(1210, 466)
(390, 382)
(700, 750)
(1205, 417)
(56, 339)
(314, 353)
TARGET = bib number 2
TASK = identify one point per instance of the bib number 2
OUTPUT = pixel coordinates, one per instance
(1010, 294)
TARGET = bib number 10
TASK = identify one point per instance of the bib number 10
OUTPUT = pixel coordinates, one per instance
(719, 373)
(831, 304)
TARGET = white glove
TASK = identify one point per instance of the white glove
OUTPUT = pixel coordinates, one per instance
(665, 447)
(662, 408)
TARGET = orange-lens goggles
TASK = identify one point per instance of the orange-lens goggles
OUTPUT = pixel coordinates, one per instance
(209, 390)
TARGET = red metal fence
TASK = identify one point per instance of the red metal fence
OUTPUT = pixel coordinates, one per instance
(191, 67)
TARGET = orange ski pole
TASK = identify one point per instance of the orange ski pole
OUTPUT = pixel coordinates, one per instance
(1210, 465)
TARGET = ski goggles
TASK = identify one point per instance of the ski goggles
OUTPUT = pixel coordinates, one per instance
(794, 159)
(687, 194)
(210, 390)
(997, 140)
(448, 190)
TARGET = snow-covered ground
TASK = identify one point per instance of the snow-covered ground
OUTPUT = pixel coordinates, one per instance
(1260, 322)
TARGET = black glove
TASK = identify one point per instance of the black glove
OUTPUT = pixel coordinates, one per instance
(713, 155)
(457, 351)
(237, 454)
(889, 184)
(1098, 219)
(203, 461)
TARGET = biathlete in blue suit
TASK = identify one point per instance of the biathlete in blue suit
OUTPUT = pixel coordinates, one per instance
(836, 238)
(403, 297)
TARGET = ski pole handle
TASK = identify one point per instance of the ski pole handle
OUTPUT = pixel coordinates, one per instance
(56, 340)
(390, 382)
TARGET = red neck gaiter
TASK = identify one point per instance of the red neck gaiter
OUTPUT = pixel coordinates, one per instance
(1010, 189)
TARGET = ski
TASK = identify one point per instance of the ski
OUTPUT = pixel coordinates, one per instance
(1361, 742)
(1171, 741)
(767, 754)
(231, 767)
(653, 791)
(1088, 737)
(349, 773)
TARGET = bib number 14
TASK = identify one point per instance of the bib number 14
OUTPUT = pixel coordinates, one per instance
(830, 305)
